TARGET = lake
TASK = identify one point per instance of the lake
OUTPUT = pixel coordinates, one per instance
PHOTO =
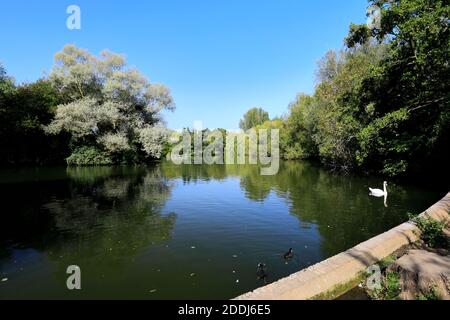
(182, 232)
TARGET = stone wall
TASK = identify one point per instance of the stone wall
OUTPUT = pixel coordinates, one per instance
(340, 273)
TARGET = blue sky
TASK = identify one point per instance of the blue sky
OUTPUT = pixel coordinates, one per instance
(218, 57)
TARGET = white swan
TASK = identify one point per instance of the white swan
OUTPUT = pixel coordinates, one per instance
(378, 192)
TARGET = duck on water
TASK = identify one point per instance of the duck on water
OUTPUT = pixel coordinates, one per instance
(289, 254)
(261, 272)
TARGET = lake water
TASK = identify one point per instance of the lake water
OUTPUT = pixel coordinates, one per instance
(182, 232)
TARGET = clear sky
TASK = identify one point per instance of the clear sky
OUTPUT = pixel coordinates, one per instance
(218, 57)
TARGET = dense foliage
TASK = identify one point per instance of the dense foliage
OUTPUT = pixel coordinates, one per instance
(431, 231)
(110, 108)
(381, 105)
(23, 111)
(90, 110)
(252, 118)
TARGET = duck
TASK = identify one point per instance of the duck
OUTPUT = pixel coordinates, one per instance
(289, 254)
(261, 271)
(379, 192)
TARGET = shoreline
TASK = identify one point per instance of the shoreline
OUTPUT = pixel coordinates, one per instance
(339, 274)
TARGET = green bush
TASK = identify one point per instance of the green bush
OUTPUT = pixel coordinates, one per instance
(89, 156)
(432, 294)
(431, 230)
(390, 287)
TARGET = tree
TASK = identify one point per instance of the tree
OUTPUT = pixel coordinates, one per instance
(382, 105)
(409, 90)
(252, 118)
(23, 111)
(325, 125)
(108, 107)
(300, 128)
(7, 88)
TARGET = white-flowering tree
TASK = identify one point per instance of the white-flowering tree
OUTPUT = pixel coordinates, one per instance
(109, 106)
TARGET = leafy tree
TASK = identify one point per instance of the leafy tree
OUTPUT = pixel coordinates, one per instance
(109, 107)
(276, 123)
(382, 105)
(340, 109)
(409, 90)
(23, 111)
(300, 128)
(252, 118)
(325, 124)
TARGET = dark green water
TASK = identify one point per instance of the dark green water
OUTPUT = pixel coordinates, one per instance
(181, 232)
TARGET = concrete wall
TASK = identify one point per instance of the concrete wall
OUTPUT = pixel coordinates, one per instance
(343, 271)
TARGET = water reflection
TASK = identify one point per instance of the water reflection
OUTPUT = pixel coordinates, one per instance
(339, 205)
(110, 219)
(136, 231)
(99, 219)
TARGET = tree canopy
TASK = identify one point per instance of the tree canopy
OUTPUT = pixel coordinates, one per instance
(23, 111)
(252, 118)
(108, 107)
(381, 105)
(90, 110)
